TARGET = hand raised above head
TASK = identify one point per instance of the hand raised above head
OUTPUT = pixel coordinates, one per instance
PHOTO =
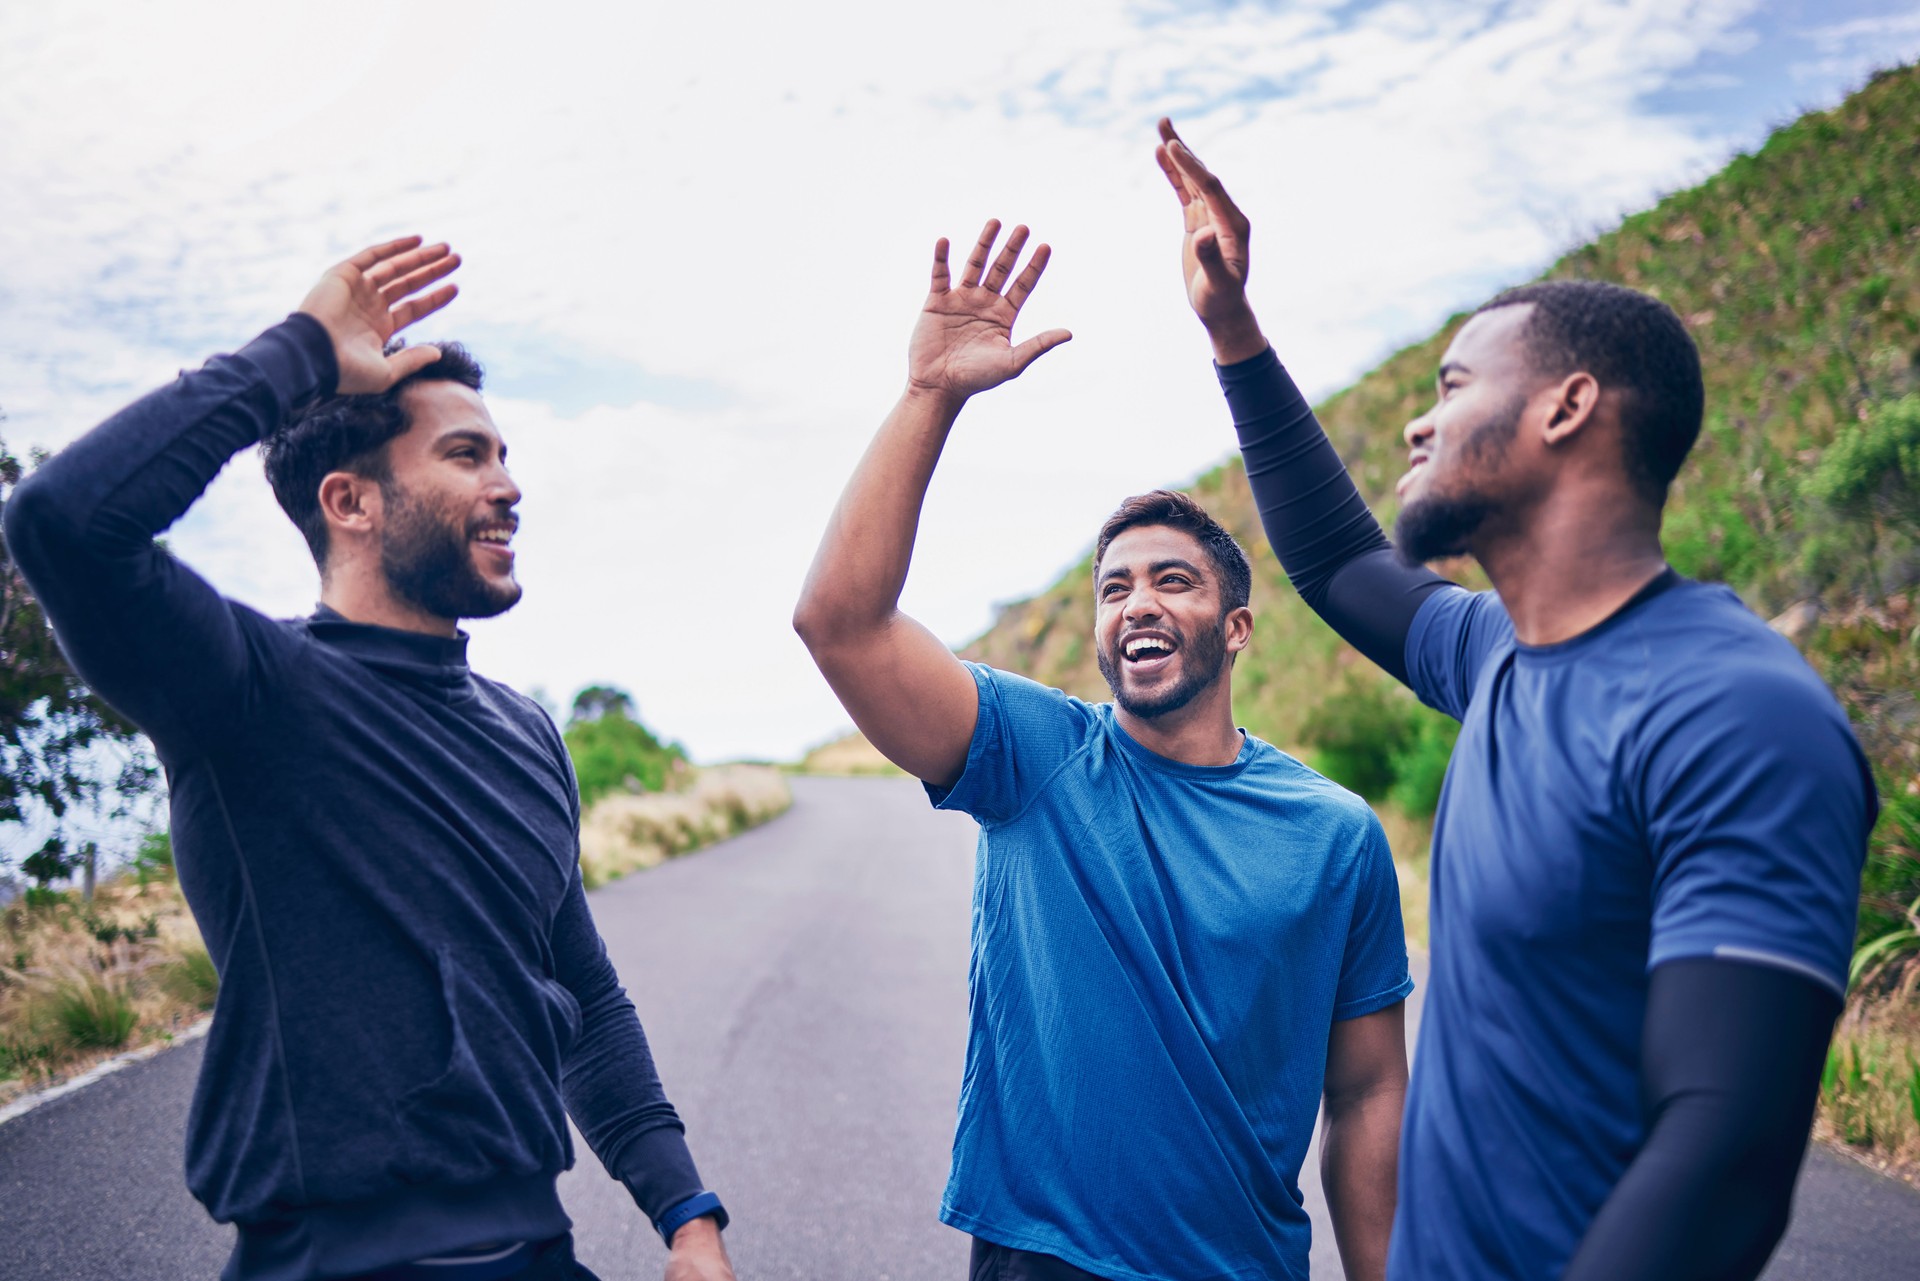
(372, 296)
(1213, 252)
(963, 342)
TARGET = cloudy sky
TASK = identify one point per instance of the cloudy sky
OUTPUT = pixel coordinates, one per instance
(697, 235)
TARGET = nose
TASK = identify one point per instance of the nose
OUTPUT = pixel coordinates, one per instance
(1419, 431)
(502, 489)
(1142, 605)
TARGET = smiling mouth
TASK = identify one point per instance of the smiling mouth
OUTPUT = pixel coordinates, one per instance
(1414, 464)
(1147, 653)
(495, 539)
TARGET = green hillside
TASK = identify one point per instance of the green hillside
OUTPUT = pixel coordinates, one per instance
(1798, 270)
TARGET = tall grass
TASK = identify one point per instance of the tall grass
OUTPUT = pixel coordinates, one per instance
(624, 833)
(79, 981)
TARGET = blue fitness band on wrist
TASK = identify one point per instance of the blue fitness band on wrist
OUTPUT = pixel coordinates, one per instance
(689, 1210)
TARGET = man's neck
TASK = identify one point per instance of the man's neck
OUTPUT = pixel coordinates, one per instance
(1201, 733)
(1562, 573)
(359, 602)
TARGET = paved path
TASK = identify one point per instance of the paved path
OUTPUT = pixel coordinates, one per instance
(805, 988)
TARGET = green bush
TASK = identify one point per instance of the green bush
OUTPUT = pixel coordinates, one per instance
(612, 751)
(1370, 734)
(192, 978)
(92, 1013)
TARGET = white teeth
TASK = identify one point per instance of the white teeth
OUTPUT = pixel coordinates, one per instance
(494, 535)
(1134, 647)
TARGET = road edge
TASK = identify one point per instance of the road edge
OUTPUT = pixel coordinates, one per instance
(28, 1102)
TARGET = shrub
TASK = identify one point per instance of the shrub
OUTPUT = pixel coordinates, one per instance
(191, 977)
(613, 752)
(1370, 734)
(91, 1012)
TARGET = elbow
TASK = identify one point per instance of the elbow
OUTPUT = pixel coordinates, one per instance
(822, 624)
(33, 524)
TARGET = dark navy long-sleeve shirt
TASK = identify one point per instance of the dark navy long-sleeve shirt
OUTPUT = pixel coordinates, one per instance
(380, 847)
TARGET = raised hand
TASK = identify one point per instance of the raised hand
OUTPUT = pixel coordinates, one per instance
(372, 296)
(1213, 253)
(963, 342)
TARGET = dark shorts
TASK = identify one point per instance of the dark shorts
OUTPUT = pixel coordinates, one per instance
(1003, 1263)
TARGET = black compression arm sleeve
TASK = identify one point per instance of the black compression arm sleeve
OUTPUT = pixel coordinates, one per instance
(1730, 1069)
(1329, 543)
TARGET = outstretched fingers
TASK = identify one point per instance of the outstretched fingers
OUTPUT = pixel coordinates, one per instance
(1220, 206)
(385, 272)
(942, 279)
(425, 305)
(1165, 161)
(977, 260)
(1024, 282)
(414, 281)
(1003, 262)
(368, 258)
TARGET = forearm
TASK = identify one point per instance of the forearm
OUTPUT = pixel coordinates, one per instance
(1359, 1164)
(1732, 1068)
(1319, 526)
(861, 567)
(609, 1081)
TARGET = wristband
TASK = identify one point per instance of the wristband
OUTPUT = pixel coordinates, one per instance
(703, 1203)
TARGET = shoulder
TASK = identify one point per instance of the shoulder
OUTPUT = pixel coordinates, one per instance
(1720, 682)
(1312, 797)
(1021, 699)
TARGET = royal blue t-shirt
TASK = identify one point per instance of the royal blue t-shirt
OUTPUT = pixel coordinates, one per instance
(1674, 783)
(1159, 950)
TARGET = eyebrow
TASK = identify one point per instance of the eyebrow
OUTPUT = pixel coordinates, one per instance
(472, 436)
(1159, 566)
(1451, 367)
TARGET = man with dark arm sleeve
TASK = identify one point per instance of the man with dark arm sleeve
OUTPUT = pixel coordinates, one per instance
(1647, 856)
(380, 845)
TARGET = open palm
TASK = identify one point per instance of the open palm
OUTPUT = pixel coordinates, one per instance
(366, 300)
(963, 342)
(1213, 252)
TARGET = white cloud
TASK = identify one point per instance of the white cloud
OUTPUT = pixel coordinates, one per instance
(744, 198)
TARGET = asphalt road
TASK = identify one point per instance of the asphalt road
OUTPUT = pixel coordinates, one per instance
(805, 990)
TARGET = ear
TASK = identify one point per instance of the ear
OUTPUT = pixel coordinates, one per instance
(1576, 399)
(1239, 629)
(350, 503)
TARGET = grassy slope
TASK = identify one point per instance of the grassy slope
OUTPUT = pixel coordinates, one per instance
(1798, 270)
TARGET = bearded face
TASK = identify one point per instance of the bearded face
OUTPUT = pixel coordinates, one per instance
(432, 558)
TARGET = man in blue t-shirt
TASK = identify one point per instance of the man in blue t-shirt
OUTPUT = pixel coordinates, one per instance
(1182, 937)
(1646, 861)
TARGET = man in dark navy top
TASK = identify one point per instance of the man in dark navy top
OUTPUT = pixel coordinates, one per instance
(1646, 861)
(380, 846)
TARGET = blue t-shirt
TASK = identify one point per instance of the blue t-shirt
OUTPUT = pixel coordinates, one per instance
(1159, 951)
(1674, 783)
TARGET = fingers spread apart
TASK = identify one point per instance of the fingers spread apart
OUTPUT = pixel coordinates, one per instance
(976, 274)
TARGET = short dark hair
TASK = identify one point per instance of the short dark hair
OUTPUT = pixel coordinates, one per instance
(1632, 343)
(1177, 511)
(349, 433)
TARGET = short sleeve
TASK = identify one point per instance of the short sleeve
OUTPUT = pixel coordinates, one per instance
(1451, 638)
(1373, 968)
(1025, 731)
(1757, 802)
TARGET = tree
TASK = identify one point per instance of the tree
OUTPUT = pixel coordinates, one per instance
(63, 752)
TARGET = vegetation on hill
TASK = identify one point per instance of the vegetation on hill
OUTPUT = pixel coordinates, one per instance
(1797, 269)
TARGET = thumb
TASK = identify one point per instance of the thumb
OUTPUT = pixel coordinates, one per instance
(1037, 346)
(411, 360)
